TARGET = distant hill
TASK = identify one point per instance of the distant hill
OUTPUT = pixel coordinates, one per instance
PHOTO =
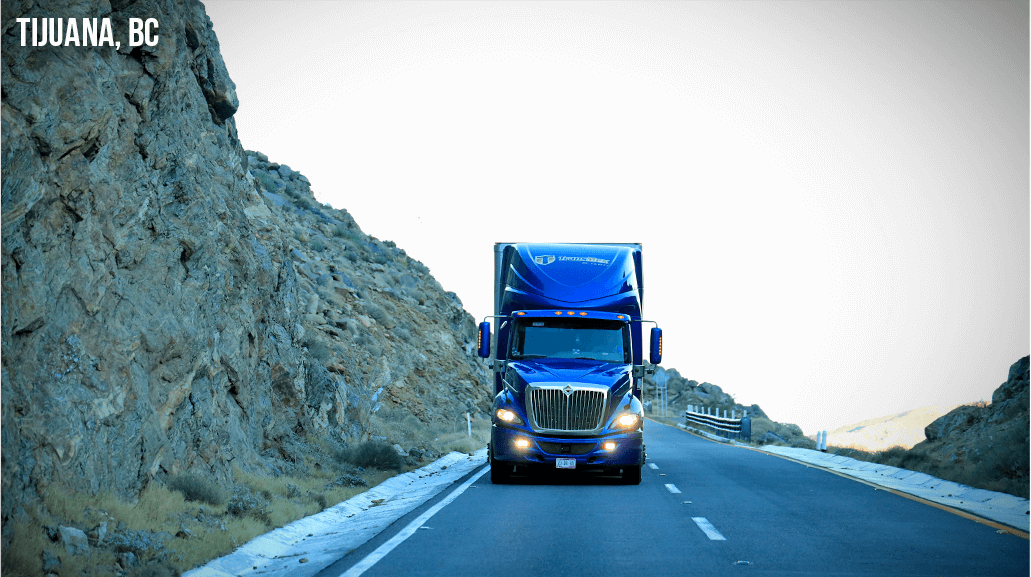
(984, 445)
(902, 429)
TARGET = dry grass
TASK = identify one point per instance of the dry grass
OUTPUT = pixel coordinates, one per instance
(283, 499)
(402, 428)
(166, 507)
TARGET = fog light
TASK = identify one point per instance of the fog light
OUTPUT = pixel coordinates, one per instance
(608, 446)
(522, 443)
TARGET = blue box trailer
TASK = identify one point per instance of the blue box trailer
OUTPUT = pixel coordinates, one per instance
(568, 359)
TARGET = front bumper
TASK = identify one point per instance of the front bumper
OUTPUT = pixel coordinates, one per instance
(587, 451)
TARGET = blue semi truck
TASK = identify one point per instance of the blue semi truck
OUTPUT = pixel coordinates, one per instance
(567, 359)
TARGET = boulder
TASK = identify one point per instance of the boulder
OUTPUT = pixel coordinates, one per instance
(1015, 385)
(74, 540)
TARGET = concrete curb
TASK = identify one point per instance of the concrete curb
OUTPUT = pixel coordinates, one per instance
(999, 507)
(308, 545)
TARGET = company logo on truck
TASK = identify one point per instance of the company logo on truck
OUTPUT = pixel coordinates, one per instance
(550, 258)
(584, 259)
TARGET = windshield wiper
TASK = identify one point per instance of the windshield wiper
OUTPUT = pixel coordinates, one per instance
(529, 356)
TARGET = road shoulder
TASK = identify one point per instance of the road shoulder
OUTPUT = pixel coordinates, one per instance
(308, 545)
(1007, 510)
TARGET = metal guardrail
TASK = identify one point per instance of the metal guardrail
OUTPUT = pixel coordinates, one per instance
(731, 428)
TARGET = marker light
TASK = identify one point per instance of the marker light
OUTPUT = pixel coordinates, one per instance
(522, 443)
(620, 317)
(570, 313)
(509, 417)
(627, 421)
(520, 313)
(608, 446)
(558, 312)
(583, 314)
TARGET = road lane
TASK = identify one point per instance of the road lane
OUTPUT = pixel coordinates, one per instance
(777, 518)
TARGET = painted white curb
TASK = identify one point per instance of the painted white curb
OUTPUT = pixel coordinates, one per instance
(309, 545)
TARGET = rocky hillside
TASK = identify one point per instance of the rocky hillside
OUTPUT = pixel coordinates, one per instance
(172, 303)
(985, 446)
(682, 392)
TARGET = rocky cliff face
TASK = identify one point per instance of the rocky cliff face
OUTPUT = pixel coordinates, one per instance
(985, 446)
(173, 303)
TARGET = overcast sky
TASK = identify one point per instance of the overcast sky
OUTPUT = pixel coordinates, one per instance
(832, 197)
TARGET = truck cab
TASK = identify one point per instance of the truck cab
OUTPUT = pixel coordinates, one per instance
(567, 359)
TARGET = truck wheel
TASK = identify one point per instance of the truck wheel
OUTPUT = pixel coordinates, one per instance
(500, 473)
(631, 475)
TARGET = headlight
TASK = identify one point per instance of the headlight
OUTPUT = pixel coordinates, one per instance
(628, 421)
(508, 416)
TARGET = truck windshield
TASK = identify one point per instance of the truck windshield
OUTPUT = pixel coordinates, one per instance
(594, 339)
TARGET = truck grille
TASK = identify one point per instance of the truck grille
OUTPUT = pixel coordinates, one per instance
(566, 448)
(553, 409)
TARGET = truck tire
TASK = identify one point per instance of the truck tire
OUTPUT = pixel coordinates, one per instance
(631, 475)
(500, 473)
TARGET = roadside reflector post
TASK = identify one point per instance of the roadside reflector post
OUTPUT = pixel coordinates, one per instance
(469, 422)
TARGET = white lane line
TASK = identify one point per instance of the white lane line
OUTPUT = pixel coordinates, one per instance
(708, 529)
(384, 549)
(653, 465)
(672, 488)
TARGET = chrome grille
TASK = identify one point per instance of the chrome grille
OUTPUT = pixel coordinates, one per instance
(551, 408)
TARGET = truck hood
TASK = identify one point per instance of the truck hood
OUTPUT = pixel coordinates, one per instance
(612, 375)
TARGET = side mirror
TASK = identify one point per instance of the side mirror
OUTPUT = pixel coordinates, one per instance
(483, 340)
(656, 346)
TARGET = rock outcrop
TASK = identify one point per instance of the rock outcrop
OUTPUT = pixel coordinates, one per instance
(986, 446)
(681, 392)
(172, 302)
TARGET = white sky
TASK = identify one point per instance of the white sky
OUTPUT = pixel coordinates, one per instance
(832, 197)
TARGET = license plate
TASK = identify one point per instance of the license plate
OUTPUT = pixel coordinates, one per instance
(565, 463)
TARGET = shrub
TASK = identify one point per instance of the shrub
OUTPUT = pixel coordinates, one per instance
(245, 503)
(375, 311)
(292, 491)
(319, 499)
(196, 488)
(372, 454)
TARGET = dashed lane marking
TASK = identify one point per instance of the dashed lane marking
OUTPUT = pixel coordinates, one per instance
(708, 529)
(672, 488)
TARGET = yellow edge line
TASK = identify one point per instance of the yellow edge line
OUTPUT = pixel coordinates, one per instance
(965, 514)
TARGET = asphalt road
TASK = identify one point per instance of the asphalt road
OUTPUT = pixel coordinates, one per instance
(737, 511)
